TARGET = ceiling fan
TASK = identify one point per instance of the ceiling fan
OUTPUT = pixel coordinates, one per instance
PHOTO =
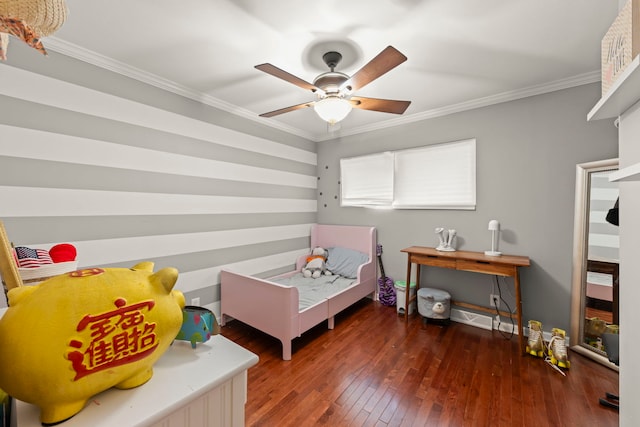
(334, 89)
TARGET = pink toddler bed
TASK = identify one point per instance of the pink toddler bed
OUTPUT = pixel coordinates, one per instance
(274, 308)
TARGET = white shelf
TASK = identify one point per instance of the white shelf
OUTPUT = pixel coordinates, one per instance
(630, 173)
(624, 92)
(184, 379)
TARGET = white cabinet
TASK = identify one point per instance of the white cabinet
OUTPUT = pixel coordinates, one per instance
(201, 387)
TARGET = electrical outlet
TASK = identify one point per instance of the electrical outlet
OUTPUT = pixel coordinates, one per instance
(195, 301)
(494, 300)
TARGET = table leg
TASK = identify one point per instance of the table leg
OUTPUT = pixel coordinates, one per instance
(407, 291)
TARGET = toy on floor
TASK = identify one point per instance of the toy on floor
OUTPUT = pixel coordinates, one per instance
(316, 264)
(80, 333)
(557, 349)
(535, 343)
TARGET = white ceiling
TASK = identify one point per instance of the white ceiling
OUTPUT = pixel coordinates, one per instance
(461, 53)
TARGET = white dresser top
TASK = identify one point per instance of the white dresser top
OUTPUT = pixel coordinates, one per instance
(180, 375)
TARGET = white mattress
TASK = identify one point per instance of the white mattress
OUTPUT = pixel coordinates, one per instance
(311, 291)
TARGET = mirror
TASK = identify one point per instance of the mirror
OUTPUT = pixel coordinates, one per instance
(594, 299)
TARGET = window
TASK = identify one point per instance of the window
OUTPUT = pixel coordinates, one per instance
(367, 180)
(441, 176)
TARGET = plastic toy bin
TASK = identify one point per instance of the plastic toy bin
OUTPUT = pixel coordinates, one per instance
(401, 292)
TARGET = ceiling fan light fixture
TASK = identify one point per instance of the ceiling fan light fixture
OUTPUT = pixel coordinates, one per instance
(334, 89)
(332, 109)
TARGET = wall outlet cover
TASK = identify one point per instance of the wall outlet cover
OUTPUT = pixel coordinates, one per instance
(492, 299)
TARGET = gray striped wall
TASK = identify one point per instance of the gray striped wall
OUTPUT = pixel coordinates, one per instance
(128, 172)
(604, 240)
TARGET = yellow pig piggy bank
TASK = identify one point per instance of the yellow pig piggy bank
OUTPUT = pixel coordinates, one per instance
(80, 333)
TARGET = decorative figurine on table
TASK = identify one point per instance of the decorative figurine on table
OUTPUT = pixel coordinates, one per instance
(446, 239)
(198, 325)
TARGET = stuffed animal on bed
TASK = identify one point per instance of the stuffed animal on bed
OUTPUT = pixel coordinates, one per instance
(316, 264)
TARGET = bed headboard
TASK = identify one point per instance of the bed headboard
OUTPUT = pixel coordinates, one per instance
(359, 238)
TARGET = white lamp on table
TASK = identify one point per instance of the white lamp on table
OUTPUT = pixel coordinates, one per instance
(494, 227)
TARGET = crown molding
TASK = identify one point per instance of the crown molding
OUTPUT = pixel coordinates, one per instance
(579, 80)
(91, 57)
(74, 51)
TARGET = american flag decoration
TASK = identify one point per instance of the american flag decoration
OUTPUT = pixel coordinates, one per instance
(31, 258)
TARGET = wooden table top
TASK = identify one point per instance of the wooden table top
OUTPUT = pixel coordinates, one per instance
(516, 260)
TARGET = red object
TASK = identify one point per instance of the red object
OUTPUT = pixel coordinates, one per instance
(63, 252)
(312, 257)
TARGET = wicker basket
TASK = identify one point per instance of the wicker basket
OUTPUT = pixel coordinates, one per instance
(33, 276)
(42, 16)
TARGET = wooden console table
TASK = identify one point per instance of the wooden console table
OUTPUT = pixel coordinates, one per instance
(478, 262)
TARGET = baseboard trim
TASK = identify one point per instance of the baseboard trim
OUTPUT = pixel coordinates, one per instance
(491, 323)
(473, 319)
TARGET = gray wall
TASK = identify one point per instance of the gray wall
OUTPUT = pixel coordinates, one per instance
(526, 156)
(210, 189)
(129, 172)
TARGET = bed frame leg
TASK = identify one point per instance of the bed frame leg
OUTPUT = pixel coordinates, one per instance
(331, 322)
(286, 350)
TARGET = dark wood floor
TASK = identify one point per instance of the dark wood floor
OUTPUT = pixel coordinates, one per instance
(374, 369)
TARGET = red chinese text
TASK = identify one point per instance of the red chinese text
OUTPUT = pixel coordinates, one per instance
(114, 338)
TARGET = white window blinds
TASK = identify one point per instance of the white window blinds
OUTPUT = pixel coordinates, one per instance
(367, 180)
(441, 176)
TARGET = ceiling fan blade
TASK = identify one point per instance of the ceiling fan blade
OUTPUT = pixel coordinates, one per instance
(287, 109)
(383, 105)
(386, 60)
(281, 74)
